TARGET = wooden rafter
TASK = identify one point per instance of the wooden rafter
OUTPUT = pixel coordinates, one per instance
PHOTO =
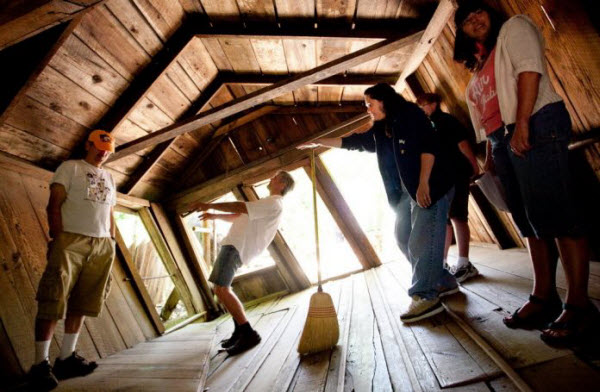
(336, 80)
(440, 18)
(213, 187)
(20, 20)
(159, 151)
(266, 94)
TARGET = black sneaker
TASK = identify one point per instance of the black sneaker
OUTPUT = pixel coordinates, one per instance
(229, 342)
(41, 377)
(73, 366)
(245, 342)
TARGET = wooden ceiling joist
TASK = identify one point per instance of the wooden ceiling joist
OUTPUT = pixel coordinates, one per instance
(439, 20)
(381, 29)
(267, 93)
(213, 187)
(160, 150)
(20, 20)
(336, 80)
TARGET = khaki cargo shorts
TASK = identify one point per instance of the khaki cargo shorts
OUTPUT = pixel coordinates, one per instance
(77, 276)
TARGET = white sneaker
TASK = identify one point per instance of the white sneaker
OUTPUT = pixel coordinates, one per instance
(464, 272)
(421, 308)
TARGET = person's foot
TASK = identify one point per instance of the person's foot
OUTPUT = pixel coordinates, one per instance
(73, 366)
(536, 313)
(464, 272)
(41, 377)
(421, 308)
(245, 342)
(230, 341)
(575, 322)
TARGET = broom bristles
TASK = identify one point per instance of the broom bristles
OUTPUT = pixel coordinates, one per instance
(321, 330)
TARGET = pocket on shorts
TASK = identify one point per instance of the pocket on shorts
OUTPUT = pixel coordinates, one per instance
(108, 286)
(51, 287)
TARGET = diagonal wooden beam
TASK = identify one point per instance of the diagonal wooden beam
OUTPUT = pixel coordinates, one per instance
(40, 67)
(218, 136)
(213, 187)
(20, 20)
(159, 151)
(336, 80)
(440, 18)
(365, 30)
(267, 93)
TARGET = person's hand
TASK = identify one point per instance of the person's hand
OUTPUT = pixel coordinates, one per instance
(489, 166)
(423, 198)
(519, 143)
(199, 206)
(205, 216)
(309, 145)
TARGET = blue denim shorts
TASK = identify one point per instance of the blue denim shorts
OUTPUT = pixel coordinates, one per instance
(228, 261)
(538, 187)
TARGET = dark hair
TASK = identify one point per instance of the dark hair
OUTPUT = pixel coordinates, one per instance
(429, 98)
(392, 101)
(464, 46)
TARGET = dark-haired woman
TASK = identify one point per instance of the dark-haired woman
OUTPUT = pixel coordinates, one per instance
(418, 189)
(512, 102)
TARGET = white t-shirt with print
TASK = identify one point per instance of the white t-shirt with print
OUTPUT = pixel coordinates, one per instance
(251, 233)
(91, 192)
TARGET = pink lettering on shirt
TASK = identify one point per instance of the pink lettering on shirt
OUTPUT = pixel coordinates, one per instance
(483, 93)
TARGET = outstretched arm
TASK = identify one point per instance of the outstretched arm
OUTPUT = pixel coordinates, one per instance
(235, 207)
(223, 217)
(335, 142)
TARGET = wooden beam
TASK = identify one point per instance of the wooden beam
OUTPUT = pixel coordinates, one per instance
(288, 265)
(366, 30)
(335, 80)
(138, 283)
(20, 20)
(217, 137)
(182, 200)
(291, 110)
(199, 266)
(266, 94)
(440, 18)
(39, 67)
(342, 214)
(167, 258)
(159, 151)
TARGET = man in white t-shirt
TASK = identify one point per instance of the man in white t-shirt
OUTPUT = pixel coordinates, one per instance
(80, 255)
(255, 224)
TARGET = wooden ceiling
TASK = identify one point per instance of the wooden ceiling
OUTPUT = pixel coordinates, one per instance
(212, 76)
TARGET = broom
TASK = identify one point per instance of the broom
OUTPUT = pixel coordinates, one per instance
(321, 329)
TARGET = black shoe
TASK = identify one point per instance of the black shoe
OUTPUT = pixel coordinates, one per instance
(229, 342)
(245, 342)
(41, 377)
(73, 366)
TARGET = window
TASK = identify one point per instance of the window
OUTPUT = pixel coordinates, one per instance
(210, 233)
(357, 176)
(157, 280)
(337, 257)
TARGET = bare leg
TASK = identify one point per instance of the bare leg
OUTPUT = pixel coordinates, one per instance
(463, 236)
(448, 241)
(44, 329)
(73, 323)
(544, 258)
(575, 256)
(232, 304)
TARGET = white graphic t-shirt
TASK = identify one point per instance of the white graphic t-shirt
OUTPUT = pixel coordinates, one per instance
(91, 192)
(251, 233)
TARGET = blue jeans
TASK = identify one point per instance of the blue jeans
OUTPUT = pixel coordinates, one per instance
(421, 234)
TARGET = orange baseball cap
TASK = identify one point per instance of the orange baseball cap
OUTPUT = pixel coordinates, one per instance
(102, 140)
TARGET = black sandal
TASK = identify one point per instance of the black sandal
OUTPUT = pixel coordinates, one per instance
(585, 319)
(551, 309)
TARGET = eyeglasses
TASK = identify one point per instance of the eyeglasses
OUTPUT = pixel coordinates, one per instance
(470, 20)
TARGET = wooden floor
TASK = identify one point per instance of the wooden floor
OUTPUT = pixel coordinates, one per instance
(376, 352)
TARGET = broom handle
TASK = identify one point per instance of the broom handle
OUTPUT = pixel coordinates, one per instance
(314, 184)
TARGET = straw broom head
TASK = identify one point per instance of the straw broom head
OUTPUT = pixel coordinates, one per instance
(321, 330)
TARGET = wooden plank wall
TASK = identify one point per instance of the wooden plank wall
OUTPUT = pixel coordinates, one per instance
(572, 47)
(23, 232)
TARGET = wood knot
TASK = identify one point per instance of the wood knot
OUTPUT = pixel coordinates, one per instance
(84, 105)
(16, 257)
(150, 105)
(56, 107)
(96, 78)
